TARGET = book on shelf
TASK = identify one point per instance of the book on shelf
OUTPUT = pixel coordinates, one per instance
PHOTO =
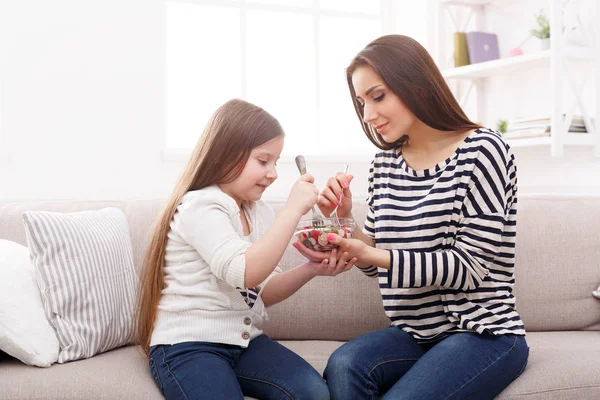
(539, 126)
(482, 46)
(461, 54)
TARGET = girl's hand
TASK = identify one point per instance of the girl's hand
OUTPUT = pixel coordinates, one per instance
(330, 195)
(356, 249)
(303, 195)
(325, 263)
(312, 255)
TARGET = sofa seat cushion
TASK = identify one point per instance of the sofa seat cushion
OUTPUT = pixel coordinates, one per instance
(562, 365)
(118, 374)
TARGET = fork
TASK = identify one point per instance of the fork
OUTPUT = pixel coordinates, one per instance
(333, 216)
(316, 217)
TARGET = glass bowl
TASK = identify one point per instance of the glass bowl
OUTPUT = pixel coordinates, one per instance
(315, 236)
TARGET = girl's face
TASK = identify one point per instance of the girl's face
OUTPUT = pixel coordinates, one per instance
(259, 172)
(383, 109)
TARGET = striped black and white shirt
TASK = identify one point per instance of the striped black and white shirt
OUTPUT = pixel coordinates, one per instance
(450, 231)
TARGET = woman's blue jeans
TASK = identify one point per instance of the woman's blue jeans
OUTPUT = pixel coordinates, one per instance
(265, 370)
(390, 364)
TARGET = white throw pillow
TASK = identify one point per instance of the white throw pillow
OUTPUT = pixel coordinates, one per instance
(596, 293)
(24, 330)
(84, 267)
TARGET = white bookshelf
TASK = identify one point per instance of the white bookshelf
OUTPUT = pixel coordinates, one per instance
(552, 59)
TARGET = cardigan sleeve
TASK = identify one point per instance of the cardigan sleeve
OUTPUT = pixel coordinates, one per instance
(206, 223)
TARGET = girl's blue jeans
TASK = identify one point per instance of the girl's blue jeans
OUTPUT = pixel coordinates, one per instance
(390, 364)
(265, 370)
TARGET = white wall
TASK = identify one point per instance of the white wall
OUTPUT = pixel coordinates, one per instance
(83, 100)
(84, 114)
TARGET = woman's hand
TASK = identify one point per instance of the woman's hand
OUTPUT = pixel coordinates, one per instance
(330, 195)
(325, 263)
(355, 248)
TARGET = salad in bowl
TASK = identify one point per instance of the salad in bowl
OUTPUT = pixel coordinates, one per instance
(315, 236)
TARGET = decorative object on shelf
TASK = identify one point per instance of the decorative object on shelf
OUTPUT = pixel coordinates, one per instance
(461, 54)
(543, 30)
(515, 52)
(501, 125)
(482, 46)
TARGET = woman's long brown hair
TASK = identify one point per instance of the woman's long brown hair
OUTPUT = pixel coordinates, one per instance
(408, 70)
(219, 157)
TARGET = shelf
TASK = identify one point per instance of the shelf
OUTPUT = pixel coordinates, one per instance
(579, 139)
(572, 139)
(497, 67)
(506, 65)
(530, 142)
(467, 3)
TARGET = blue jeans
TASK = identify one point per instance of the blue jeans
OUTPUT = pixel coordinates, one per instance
(265, 370)
(391, 364)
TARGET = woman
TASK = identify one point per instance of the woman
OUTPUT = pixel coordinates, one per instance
(439, 235)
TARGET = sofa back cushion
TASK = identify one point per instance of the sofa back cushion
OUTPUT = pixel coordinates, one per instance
(558, 262)
(140, 215)
(557, 268)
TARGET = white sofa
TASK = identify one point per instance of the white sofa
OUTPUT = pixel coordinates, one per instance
(558, 267)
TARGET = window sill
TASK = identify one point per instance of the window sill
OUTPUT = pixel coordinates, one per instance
(182, 156)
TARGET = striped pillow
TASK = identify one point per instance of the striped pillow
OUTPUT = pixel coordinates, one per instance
(86, 277)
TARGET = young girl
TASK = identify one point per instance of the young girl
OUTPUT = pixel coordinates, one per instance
(439, 235)
(211, 269)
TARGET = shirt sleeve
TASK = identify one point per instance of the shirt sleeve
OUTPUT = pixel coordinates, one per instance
(489, 200)
(369, 226)
(206, 224)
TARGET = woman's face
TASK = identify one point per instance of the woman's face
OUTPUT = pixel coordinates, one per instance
(383, 109)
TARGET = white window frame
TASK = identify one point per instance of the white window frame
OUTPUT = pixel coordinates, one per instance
(388, 21)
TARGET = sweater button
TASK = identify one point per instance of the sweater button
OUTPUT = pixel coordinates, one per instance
(247, 321)
(245, 336)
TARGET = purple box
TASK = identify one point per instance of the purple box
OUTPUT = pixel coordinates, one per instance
(482, 46)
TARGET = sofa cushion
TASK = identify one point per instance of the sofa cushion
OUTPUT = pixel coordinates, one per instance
(141, 216)
(562, 365)
(557, 256)
(118, 374)
(329, 308)
(24, 330)
(11, 214)
(86, 278)
(558, 263)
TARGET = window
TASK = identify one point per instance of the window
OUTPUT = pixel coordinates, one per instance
(287, 56)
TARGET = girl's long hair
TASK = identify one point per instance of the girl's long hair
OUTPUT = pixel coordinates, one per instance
(219, 157)
(408, 70)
